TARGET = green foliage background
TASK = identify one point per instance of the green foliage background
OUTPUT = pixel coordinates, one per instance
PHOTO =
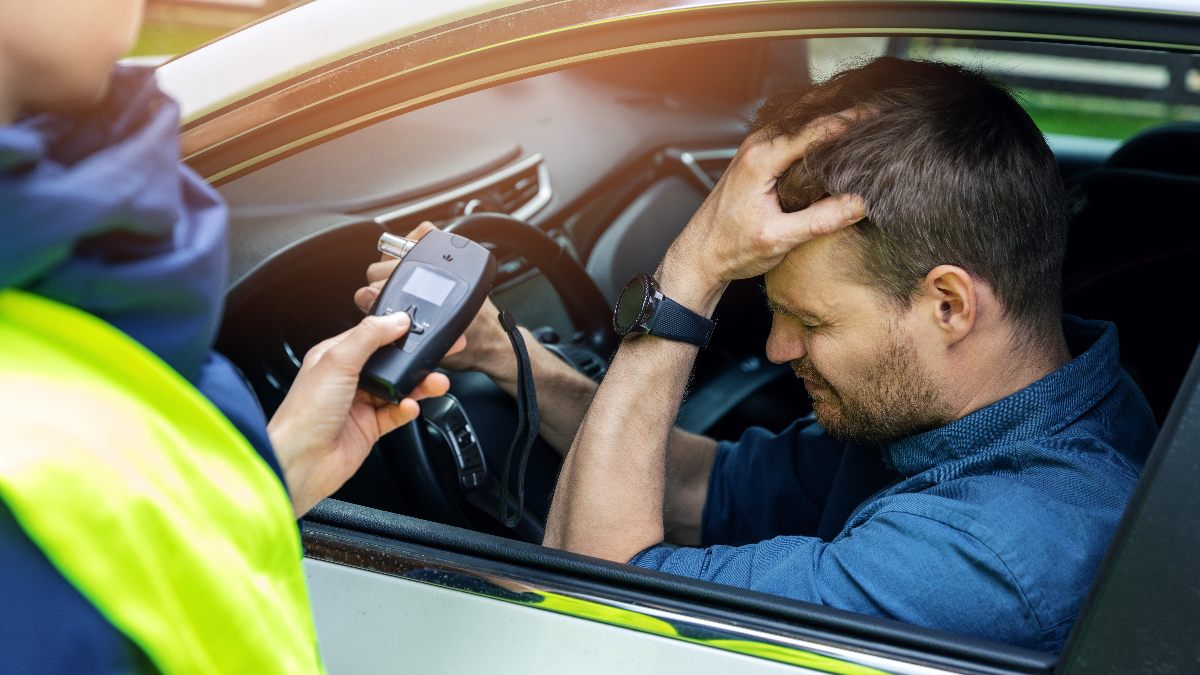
(169, 39)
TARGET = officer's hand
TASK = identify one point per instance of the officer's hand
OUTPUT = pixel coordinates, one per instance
(325, 427)
(740, 231)
(487, 350)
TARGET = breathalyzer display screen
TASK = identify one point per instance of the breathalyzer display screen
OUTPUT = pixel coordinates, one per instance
(428, 286)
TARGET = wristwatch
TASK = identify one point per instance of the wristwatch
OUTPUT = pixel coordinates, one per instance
(642, 309)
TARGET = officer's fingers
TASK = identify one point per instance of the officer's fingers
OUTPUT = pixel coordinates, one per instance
(365, 298)
(824, 217)
(434, 385)
(391, 417)
(314, 355)
(422, 230)
(459, 345)
(359, 343)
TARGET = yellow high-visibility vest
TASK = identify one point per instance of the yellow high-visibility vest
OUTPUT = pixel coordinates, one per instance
(146, 498)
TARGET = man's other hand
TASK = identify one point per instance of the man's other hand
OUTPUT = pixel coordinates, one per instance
(487, 348)
(325, 426)
(740, 231)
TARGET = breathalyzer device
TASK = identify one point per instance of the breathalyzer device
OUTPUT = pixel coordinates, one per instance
(441, 282)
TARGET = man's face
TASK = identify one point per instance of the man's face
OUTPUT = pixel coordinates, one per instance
(866, 374)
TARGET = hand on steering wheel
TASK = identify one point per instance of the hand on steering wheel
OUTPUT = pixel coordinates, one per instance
(487, 348)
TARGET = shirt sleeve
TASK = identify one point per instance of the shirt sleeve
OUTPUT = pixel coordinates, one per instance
(896, 565)
(766, 485)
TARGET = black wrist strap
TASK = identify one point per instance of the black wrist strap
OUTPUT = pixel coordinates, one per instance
(528, 424)
(673, 321)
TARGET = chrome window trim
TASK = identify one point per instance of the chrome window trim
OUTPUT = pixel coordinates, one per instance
(693, 158)
(539, 201)
(320, 543)
(535, 38)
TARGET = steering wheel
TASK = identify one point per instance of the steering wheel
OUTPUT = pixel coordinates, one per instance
(429, 458)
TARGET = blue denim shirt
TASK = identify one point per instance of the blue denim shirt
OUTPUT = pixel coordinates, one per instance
(994, 527)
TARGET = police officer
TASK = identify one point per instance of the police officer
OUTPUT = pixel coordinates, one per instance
(147, 508)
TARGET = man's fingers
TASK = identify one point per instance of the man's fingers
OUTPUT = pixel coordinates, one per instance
(825, 216)
(781, 151)
(422, 230)
(380, 271)
(365, 298)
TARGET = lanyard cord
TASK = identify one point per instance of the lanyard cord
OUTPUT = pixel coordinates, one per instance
(529, 422)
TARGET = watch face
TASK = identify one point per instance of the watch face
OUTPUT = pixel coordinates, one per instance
(629, 306)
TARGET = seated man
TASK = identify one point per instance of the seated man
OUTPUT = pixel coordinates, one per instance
(1000, 439)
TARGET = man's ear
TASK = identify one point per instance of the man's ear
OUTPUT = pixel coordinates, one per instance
(950, 301)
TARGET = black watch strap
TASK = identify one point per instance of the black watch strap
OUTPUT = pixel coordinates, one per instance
(673, 321)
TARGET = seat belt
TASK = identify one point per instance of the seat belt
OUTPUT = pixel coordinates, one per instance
(528, 423)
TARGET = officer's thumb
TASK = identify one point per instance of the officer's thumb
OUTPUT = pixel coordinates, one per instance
(359, 343)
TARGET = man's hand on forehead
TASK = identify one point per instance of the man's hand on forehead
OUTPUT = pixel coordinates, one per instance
(780, 151)
(740, 231)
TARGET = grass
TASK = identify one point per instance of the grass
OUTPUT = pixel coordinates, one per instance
(1099, 116)
(1072, 123)
(162, 39)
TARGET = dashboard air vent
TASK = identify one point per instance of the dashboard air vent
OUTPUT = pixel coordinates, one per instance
(520, 190)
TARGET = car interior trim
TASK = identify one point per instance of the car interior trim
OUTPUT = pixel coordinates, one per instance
(264, 128)
(540, 200)
(692, 161)
(370, 39)
(806, 621)
(344, 548)
(195, 158)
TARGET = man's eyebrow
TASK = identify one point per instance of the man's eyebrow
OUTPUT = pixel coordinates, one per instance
(779, 308)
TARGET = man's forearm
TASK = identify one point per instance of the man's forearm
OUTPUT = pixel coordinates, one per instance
(612, 490)
(563, 393)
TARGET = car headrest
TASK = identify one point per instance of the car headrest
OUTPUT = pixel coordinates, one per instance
(1170, 148)
(1127, 214)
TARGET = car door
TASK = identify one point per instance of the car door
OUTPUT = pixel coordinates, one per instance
(392, 592)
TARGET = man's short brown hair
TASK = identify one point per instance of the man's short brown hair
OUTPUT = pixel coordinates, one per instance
(953, 171)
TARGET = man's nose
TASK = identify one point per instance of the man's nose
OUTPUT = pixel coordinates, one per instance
(784, 344)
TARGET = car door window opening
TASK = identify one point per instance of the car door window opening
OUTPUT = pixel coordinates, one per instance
(632, 146)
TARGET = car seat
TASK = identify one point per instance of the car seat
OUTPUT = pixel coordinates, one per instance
(1130, 251)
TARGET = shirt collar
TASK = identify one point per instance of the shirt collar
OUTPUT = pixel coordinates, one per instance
(1041, 409)
(20, 148)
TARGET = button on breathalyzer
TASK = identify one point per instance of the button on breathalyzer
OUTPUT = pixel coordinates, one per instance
(441, 282)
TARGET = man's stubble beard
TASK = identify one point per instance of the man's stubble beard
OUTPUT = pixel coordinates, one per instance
(896, 399)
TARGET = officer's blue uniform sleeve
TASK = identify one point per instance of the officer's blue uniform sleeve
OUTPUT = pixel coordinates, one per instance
(766, 485)
(948, 579)
(46, 625)
(222, 383)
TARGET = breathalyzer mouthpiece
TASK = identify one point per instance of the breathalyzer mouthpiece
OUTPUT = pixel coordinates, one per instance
(397, 247)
